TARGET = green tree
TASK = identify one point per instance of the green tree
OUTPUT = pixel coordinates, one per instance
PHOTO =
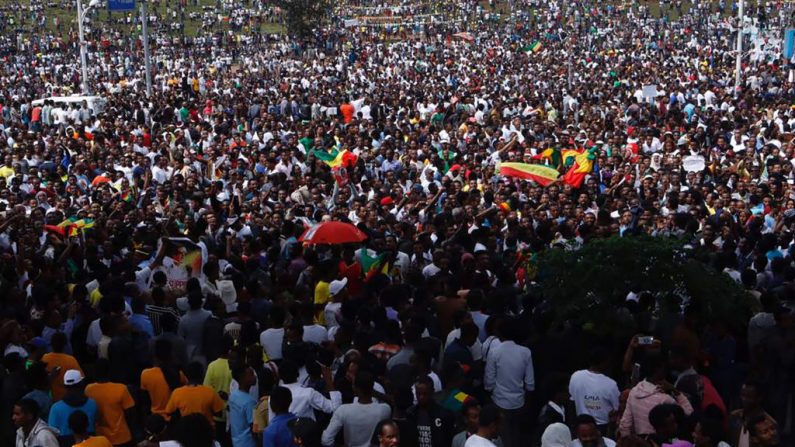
(302, 17)
(589, 285)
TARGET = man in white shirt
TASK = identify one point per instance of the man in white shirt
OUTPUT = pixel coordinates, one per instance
(272, 338)
(359, 419)
(488, 427)
(306, 400)
(594, 393)
(509, 383)
(162, 171)
(588, 435)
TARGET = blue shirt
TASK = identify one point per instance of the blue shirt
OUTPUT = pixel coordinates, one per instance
(514, 376)
(241, 416)
(143, 324)
(60, 412)
(278, 434)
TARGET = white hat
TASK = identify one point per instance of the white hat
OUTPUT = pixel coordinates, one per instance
(336, 286)
(72, 377)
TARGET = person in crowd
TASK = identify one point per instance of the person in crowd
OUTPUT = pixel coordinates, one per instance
(763, 432)
(488, 427)
(306, 432)
(241, 409)
(751, 397)
(305, 400)
(470, 412)
(357, 420)
(158, 382)
(652, 391)
(666, 420)
(709, 432)
(509, 377)
(38, 380)
(78, 423)
(386, 434)
(114, 404)
(278, 433)
(587, 433)
(405, 190)
(195, 397)
(594, 393)
(32, 430)
(434, 423)
(556, 435)
(58, 362)
(75, 399)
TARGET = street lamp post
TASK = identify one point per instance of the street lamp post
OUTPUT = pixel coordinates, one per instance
(81, 17)
(739, 63)
(147, 57)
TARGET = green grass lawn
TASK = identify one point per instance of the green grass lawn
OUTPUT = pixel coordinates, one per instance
(192, 27)
(68, 18)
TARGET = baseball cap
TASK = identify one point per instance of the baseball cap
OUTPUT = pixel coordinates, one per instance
(305, 429)
(336, 286)
(38, 342)
(72, 377)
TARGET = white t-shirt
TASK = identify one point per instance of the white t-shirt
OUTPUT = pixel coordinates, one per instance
(478, 441)
(271, 340)
(330, 312)
(594, 394)
(315, 333)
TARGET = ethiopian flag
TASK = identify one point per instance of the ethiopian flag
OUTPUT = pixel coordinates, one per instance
(558, 158)
(543, 175)
(372, 265)
(71, 226)
(336, 158)
(569, 156)
(583, 165)
(535, 47)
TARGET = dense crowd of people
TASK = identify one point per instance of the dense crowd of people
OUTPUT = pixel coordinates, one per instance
(156, 290)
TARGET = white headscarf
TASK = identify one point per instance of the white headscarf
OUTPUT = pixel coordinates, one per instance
(556, 435)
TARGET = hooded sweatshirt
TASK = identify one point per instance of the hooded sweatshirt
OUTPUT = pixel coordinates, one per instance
(642, 398)
(42, 435)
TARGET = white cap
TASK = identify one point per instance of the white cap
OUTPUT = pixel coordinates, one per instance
(336, 286)
(72, 377)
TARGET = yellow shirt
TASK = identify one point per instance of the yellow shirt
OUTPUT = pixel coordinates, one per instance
(6, 172)
(112, 400)
(195, 399)
(154, 383)
(95, 441)
(65, 362)
(218, 376)
(94, 297)
(322, 295)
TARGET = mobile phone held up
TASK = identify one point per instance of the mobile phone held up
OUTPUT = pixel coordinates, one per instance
(646, 340)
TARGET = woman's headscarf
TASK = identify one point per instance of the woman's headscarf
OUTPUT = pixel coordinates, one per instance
(556, 435)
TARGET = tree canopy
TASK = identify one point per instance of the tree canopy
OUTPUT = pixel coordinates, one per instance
(590, 285)
(302, 17)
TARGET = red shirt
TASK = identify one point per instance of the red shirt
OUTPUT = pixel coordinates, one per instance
(347, 112)
(354, 274)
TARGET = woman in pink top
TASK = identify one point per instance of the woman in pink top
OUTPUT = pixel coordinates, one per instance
(650, 392)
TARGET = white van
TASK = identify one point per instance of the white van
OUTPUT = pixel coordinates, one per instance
(95, 103)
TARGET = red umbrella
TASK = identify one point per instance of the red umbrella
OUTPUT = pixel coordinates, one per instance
(333, 233)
